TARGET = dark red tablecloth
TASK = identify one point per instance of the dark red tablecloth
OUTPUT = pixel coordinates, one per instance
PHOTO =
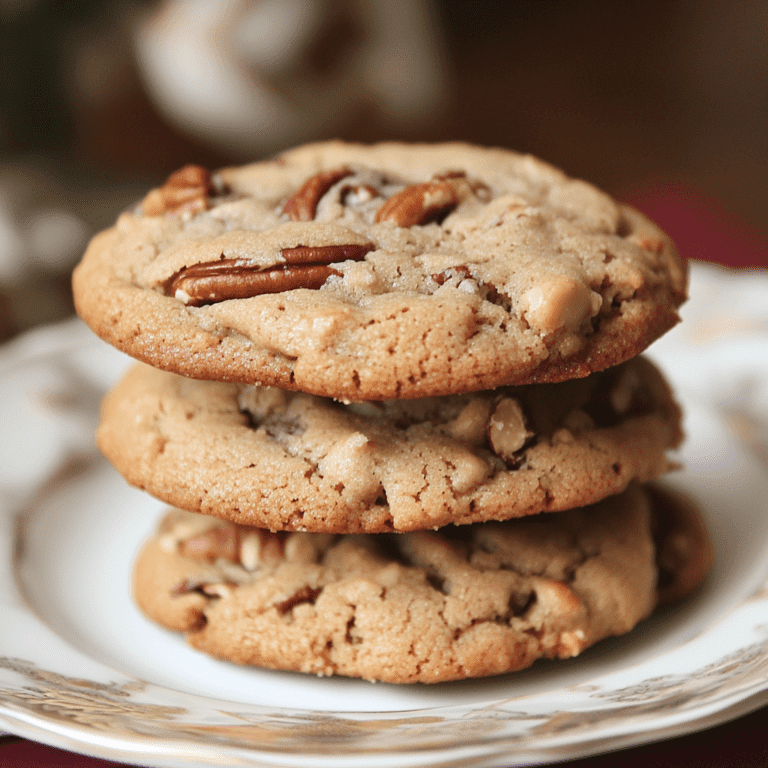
(702, 230)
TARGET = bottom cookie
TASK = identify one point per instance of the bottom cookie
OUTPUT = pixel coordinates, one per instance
(464, 602)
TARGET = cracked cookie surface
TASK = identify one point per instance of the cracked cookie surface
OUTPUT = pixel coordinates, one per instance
(292, 461)
(467, 601)
(382, 271)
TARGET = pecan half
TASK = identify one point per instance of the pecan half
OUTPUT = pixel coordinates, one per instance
(244, 283)
(189, 188)
(325, 254)
(304, 267)
(419, 204)
(302, 205)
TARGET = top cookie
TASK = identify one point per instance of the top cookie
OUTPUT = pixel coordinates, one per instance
(379, 272)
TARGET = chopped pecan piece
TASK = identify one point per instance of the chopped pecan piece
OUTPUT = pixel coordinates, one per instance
(258, 546)
(507, 430)
(445, 175)
(305, 594)
(191, 176)
(652, 244)
(203, 587)
(189, 188)
(419, 204)
(185, 586)
(219, 541)
(357, 194)
(302, 205)
(304, 267)
(462, 184)
(461, 272)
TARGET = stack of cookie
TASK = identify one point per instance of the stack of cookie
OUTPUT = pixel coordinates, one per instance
(395, 397)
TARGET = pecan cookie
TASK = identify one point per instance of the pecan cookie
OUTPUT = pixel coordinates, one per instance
(379, 272)
(468, 601)
(292, 461)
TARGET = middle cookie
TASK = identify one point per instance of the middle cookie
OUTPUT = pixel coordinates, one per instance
(291, 461)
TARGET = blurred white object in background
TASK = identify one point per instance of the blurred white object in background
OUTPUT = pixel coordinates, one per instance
(252, 76)
(41, 238)
(36, 234)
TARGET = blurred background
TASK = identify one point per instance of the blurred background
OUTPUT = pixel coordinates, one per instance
(664, 103)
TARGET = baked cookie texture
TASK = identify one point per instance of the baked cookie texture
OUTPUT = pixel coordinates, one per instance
(380, 272)
(366, 370)
(468, 601)
(292, 461)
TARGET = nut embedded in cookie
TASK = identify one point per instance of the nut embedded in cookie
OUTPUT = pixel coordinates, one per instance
(225, 279)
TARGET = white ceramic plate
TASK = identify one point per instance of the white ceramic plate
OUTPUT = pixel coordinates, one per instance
(81, 669)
